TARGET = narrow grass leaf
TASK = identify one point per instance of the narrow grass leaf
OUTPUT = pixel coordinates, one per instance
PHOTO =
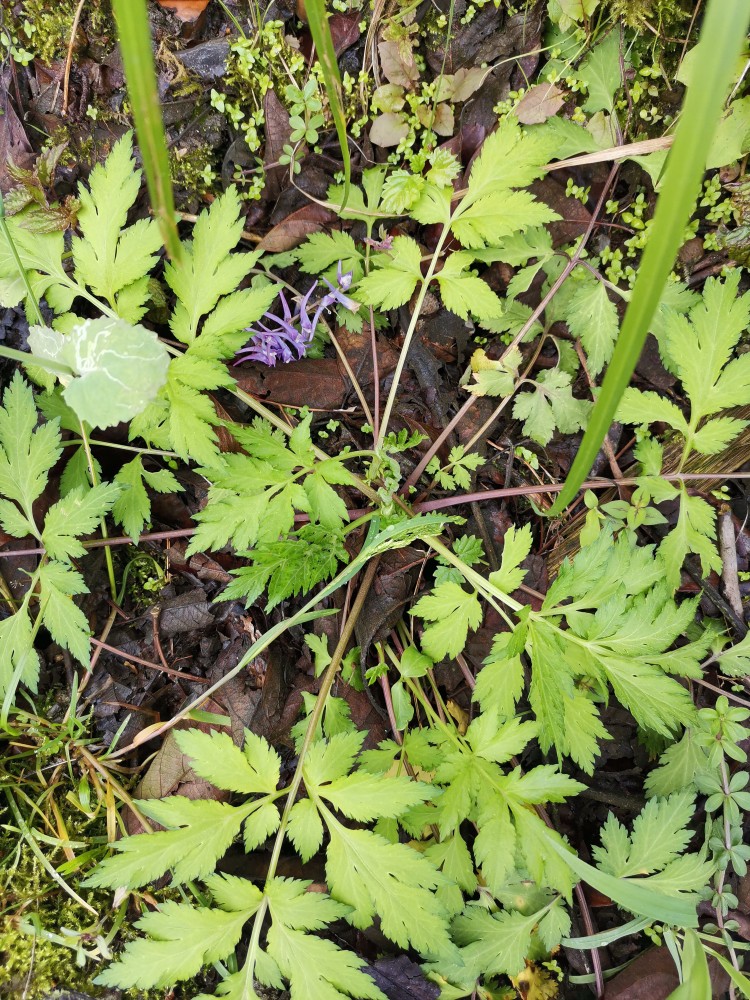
(140, 74)
(326, 53)
(638, 899)
(723, 33)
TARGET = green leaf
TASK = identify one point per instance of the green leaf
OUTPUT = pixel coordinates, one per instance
(394, 275)
(132, 508)
(550, 405)
(660, 835)
(510, 157)
(199, 834)
(116, 369)
(78, 513)
(291, 566)
(494, 378)
(209, 269)
(393, 881)
(323, 250)
(452, 612)
(639, 408)
(735, 661)
(110, 257)
(678, 766)
(27, 453)
(183, 939)
(495, 944)
(488, 220)
(463, 292)
(716, 435)
(701, 347)
(632, 896)
(516, 547)
(366, 797)
(696, 979)
(316, 969)
(19, 661)
(67, 624)
(730, 142)
(600, 73)
(593, 318)
(305, 828)
(215, 757)
(224, 330)
(695, 531)
(684, 173)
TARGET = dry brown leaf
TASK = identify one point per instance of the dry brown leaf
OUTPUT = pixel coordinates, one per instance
(539, 103)
(344, 31)
(388, 129)
(398, 63)
(185, 10)
(295, 228)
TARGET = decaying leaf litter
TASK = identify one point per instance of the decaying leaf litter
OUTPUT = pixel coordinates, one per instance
(435, 347)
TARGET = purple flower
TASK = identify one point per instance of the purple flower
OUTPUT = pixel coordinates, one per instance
(286, 338)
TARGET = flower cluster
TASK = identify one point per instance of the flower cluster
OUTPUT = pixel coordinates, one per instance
(286, 338)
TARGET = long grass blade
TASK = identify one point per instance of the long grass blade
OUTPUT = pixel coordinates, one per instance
(326, 54)
(140, 75)
(721, 40)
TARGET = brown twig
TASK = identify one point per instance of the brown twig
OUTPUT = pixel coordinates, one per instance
(147, 663)
(557, 284)
(69, 59)
(728, 550)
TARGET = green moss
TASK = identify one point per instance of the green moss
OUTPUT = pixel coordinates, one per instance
(661, 15)
(194, 172)
(31, 960)
(47, 27)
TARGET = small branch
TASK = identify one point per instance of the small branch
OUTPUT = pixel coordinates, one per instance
(729, 574)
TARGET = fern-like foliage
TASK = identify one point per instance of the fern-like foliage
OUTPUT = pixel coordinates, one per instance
(699, 349)
(253, 500)
(607, 622)
(367, 874)
(27, 455)
(210, 317)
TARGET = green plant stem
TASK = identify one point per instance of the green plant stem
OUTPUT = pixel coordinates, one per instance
(29, 359)
(474, 578)
(102, 523)
(312, 725)
(140, 75)
(390, 402)
(74, 442)
(21, 269)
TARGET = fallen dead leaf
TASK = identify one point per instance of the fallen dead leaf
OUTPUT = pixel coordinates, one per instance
(539, 103)
(185, 10)
(278, 131)
(652, 974)
(295, 228)
(344, 31)
(388, 129)
(14, 145)
(398, 63)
